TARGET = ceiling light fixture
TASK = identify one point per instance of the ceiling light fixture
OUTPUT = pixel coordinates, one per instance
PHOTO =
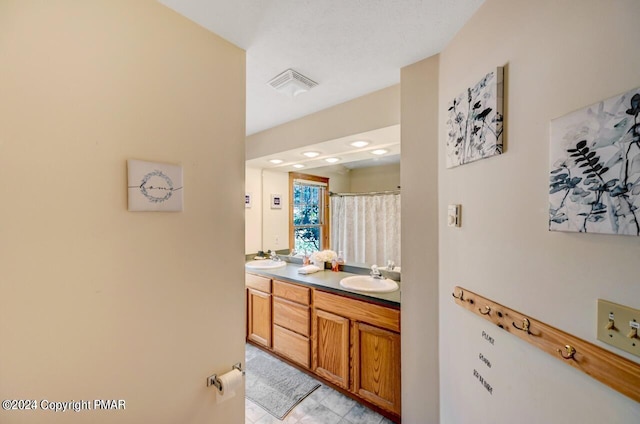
(276, 161)
(311, 154)
(292, 83)
(332, 160)
(379, 152)
(298, 165)
(359, 143)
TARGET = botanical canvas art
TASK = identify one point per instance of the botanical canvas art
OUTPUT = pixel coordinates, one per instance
(475, 121)
(154, 186)
(595, 168)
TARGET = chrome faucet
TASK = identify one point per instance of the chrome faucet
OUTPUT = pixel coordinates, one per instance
(375, 272)
(274, 256)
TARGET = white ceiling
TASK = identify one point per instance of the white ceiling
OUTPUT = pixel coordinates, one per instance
(349, 47)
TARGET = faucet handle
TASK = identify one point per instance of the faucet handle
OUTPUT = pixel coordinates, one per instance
(375, 272)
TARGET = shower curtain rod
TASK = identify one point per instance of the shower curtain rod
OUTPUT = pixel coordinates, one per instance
(370, 193)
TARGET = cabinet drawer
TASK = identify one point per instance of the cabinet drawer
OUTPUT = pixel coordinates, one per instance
(358, 310)
(292, 292)
(291, 315)
(258, 282)
(292, 345)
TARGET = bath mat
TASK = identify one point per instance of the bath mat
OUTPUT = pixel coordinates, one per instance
(276, 386)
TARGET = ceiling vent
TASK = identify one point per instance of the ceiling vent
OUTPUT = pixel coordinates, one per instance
(292, 83)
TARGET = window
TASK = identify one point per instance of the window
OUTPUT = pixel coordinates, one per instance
(309, 213)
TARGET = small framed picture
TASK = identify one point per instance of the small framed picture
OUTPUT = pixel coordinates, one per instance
(247, 200)
(276, 201)
(154, 187)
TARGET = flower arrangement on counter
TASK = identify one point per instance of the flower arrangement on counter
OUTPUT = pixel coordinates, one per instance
(323, 256)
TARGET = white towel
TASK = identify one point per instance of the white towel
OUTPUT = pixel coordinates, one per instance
(309, 269)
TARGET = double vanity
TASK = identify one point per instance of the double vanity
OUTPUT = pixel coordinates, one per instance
(343, 327)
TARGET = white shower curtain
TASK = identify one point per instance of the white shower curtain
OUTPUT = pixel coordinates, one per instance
(366, 228)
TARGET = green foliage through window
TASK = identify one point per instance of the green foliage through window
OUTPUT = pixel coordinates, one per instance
(308, 217)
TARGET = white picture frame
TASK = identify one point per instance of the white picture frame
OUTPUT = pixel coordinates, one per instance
(154, 187)
(276, 201)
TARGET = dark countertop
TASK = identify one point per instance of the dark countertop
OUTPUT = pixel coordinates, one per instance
(328, 281)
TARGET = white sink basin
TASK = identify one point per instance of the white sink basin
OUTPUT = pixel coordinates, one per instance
(367, 283)
(265, 264)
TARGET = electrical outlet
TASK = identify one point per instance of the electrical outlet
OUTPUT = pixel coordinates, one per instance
(619, 326)
(276, 241)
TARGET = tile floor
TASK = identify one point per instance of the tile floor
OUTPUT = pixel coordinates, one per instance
(324, 406)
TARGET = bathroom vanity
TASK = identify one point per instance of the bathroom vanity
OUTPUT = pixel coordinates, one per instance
(346, 338)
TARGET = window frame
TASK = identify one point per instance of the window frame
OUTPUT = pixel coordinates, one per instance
(326, 218)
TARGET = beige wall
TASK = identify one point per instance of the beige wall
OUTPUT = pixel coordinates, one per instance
(419, 173)
(275, 228)
(379, 109)
(375, 178)
(253, 215)
(339, 180)
(559, 57)
(97, 302)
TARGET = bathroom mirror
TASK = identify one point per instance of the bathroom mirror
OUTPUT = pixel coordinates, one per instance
(376, 179)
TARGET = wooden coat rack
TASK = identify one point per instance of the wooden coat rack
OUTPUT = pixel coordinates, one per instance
(613, 370)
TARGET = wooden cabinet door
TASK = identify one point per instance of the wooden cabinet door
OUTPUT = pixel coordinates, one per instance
(331, 347)
(377, 366)
(259, 317)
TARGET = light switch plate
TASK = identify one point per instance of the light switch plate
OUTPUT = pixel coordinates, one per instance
(453, 216)
(625, 320)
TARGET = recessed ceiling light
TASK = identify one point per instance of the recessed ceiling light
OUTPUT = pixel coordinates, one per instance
(298, 165)
(379, 152)
(276, 161)
(359, 143)
(332, 160)
(311, 154)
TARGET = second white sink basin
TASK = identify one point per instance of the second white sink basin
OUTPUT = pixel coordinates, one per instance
(395, 269)
(367, 283)
(265, 264)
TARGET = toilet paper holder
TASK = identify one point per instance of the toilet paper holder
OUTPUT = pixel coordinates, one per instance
(213, 380)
